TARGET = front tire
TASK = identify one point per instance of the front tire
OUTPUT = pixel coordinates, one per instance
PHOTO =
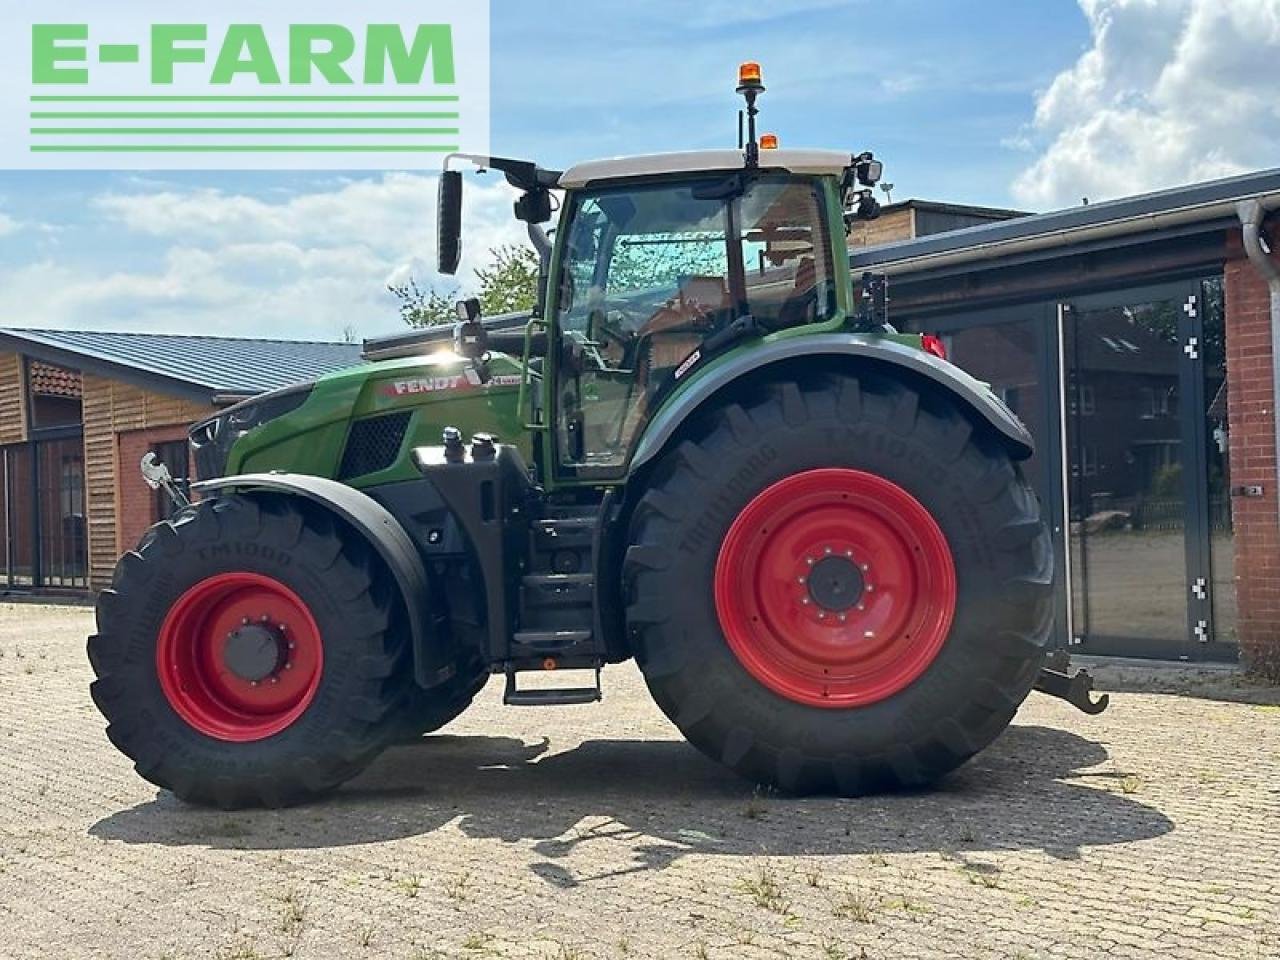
(873, 586)
(249, 654)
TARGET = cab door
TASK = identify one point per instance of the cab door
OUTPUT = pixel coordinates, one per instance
(649, 272)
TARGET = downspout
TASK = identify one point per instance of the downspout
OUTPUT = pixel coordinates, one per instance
(1252, 213)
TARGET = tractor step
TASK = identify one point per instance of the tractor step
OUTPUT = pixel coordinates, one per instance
(555, 644)
(564, 533)
(556, 590)
(549, 696)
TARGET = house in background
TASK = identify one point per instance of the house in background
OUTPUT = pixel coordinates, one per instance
(908, 219)
(79, 409)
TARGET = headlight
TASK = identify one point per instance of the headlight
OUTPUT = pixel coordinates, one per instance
(212, 439)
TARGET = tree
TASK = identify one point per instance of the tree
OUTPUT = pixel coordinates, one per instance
(508, 284)
(423, 308)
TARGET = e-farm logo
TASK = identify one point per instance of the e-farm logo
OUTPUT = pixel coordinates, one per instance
(403, 85)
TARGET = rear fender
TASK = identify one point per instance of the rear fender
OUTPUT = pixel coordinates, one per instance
(433, 659)
(974, 396)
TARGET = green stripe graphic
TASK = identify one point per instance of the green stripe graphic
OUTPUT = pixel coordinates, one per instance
(216, 131)
(238, 115)
(266, 98)
(240, 148)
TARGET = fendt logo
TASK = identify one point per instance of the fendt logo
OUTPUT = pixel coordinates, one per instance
(228, 85)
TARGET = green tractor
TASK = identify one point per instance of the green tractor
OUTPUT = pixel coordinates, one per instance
(704, 449)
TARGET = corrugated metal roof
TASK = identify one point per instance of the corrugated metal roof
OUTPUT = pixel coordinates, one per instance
(199, 366)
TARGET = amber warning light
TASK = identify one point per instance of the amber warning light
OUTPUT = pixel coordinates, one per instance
(749, 75)
(769, 141)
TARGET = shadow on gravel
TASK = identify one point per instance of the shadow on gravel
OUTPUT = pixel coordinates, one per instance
(666, 800)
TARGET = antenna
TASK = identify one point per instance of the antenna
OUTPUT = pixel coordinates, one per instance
(740, 119)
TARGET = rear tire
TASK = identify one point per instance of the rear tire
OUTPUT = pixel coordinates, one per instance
(770, 675)
(211, 734)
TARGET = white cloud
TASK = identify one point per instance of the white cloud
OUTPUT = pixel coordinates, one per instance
(8, 225)
(309, 265)
(1170, 92)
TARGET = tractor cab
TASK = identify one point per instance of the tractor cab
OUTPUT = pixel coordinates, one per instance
(663, 264)
(658, 272)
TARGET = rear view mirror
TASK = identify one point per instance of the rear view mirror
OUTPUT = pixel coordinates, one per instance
(449, 222)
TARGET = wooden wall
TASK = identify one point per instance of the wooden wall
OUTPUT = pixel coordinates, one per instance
(891, 227)
(111, 408)
(13, 400)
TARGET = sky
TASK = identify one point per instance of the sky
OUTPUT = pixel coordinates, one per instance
(1032, 104)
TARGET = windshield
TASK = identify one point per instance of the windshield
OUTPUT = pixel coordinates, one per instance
(649, 272)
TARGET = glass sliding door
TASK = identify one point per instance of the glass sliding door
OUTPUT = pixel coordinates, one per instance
(1134, 471)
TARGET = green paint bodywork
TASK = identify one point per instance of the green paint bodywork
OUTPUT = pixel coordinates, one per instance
(311, 439)
(435, 388)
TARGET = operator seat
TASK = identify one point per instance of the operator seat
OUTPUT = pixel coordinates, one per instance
(801, 306)
(680, 325)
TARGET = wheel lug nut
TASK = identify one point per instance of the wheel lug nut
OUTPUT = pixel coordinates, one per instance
(810, 561)
(843, 618)
(848, 553)
(799, 579)
(288, 666)
(862, 606)
(275, 679)
(292, 646)
(869, 634)
(822, 616)
(866, 567)
(805, 601)
(828, 551)
(871, 588)
(245, 621)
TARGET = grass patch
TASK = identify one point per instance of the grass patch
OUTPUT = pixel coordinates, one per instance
(854, 906)
(765, 891)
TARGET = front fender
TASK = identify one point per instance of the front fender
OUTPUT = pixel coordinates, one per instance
(973, 394)
(433, 661)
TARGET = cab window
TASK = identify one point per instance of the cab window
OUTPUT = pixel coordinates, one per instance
(649, 272)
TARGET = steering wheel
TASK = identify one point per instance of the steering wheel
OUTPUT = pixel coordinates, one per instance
(608, 333)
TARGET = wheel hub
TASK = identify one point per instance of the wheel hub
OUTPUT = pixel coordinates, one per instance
(239, 656)
(255, 651)
(835, 588)
(835, 584)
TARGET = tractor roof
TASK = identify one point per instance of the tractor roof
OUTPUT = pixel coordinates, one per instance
(704, 161)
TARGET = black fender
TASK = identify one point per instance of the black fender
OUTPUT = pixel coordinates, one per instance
(433, 660)
(973, 394)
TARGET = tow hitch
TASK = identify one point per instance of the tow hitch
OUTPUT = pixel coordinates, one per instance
(1077, 689)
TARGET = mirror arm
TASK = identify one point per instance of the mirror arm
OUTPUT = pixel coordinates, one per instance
(541, 243)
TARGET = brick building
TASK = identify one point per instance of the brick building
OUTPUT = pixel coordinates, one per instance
(1135, 339)
(78, 410)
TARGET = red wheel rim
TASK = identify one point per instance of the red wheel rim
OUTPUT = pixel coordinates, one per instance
(239, 657)
(835, 588)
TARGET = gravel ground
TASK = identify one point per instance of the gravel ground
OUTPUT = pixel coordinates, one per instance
(595, 832)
